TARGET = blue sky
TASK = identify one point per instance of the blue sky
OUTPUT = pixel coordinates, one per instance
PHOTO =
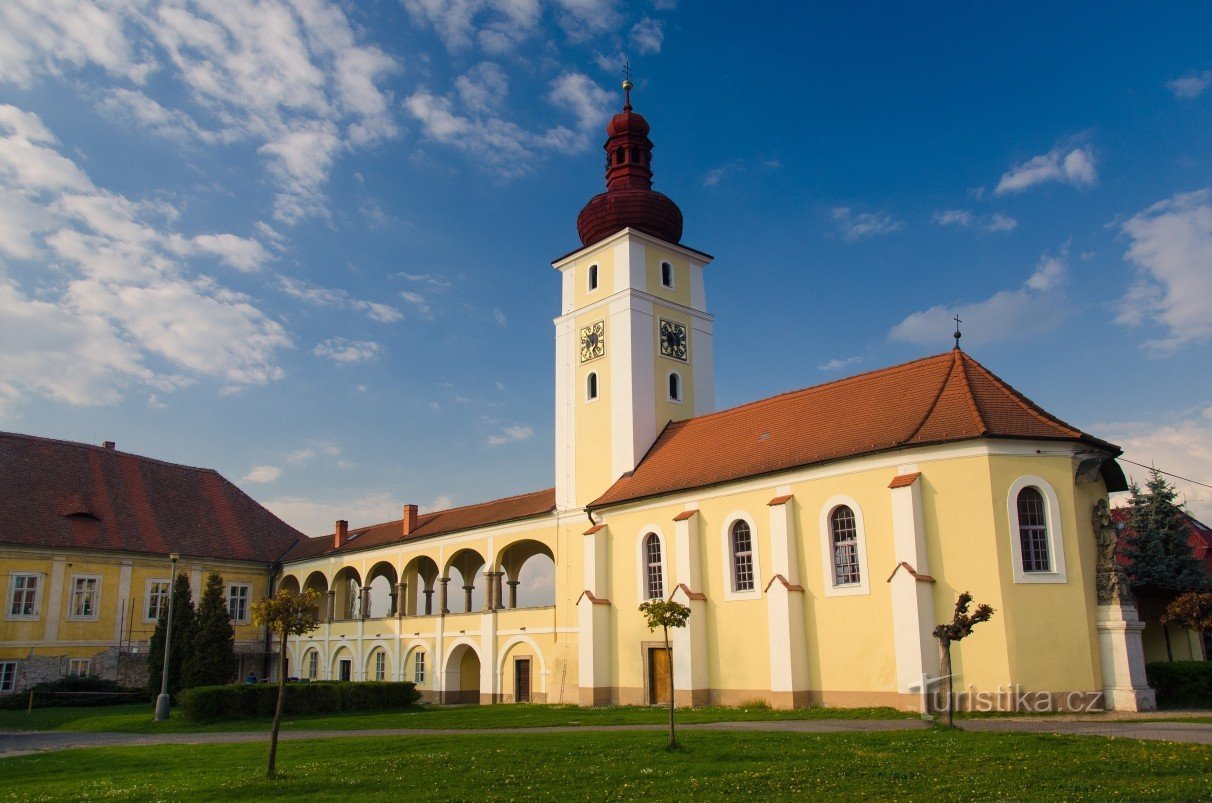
(308, 243)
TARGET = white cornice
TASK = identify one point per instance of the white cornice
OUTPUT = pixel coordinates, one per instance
(695, 257)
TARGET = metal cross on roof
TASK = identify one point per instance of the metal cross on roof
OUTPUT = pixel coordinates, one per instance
(957, 334)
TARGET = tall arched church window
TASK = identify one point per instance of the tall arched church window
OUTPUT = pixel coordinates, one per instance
(1033, 531)
(675, 386)
(593, 277)
(654, 582)
(843, 533)
(742, 557)
(666, 274)
(591, 386)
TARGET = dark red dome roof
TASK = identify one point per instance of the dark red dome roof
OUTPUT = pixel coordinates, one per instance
(646, 210)
(629, 200)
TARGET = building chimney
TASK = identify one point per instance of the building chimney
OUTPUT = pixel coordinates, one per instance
(340, 533)
(410, 518)
(109, 445)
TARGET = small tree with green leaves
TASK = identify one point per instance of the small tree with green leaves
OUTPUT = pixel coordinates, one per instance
(286, 614)
(1157, 543)
(666, 614)
(181, 650)
(213, 660)
(959, 627)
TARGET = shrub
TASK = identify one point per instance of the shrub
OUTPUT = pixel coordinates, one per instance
(1181, 683)
(86, 690)
(249, 700)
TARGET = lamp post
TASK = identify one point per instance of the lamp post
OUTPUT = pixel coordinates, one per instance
(162, 700)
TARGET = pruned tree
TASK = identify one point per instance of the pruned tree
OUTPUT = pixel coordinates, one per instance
(666, 614)
(1158, 546)
(1192, 610)
(213, 660)
(181, 651)
(287, 614)
(959, 627)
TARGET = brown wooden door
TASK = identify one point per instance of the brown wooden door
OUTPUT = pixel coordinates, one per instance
(658, 675)
(521, 680)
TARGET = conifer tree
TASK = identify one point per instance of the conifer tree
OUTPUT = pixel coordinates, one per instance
(183, 638)
(1157, 543)
(213, 657)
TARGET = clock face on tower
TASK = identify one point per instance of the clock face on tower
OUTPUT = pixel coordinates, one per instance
(673, 339)
(593, 341)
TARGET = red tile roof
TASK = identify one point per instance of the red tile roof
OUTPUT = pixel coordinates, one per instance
(440, 522)
(904, 480)
(64, 495)
(1199, 538)
(941, 399)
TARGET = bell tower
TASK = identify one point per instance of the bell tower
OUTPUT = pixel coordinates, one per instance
(633, 340)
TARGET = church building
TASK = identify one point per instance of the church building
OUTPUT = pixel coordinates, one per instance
(817, 536)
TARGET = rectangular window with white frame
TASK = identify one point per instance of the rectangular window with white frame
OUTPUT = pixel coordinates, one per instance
(237, 602)
(418, 668)
(79, 667)
(86, 597)
(157, 600)
(8, 676)
(24, 594)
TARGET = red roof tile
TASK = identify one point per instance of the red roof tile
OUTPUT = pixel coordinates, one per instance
(440, 522)
(64, 495)
(685, 514)
(1199, 538)
(779, 500)
(904, 480)
(941, 399)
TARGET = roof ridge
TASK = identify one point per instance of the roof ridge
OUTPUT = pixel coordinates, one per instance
(967, 386)
(844, 380)
(103, 450)
(433, 513)
(938, 394)
(1025, 403)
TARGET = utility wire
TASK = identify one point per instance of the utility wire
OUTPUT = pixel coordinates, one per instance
(1167, 473)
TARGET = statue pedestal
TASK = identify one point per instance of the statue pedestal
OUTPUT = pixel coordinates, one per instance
(1123, 660)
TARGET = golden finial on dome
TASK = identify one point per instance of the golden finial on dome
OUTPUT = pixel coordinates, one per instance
(627, 86)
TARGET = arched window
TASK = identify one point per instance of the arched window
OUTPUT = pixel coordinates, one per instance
(675, 386)
(418, 667)
(843, 534)
(591, 386)
(654, 582)
(667, 274)
(312, 662)
(378, 669)
(593, 277)
(1033, 531)
(742, 557)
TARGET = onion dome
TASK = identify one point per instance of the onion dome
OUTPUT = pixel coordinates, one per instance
(629, 200)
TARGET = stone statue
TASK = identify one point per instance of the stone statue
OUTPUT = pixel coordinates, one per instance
(1112, 583)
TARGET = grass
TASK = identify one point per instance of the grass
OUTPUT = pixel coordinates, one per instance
(933, 764)
(138, 718)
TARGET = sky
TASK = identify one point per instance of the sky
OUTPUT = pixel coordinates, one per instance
(307, 243)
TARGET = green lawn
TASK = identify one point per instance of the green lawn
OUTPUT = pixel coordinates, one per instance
(138, 718)
(936, 764)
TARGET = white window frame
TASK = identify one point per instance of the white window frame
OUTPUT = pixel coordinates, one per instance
(593, 278)
(597, 380)
(247, 602)
(74, 665)
(418, 666)
(378, 656)
(12, 596)
(71, 600)
(661, 275)
(311, 664)
(147, 597)
(1052, 519)
(8, 676)
(680, 398)
(826, 532)
(642, 564)
(730, 592)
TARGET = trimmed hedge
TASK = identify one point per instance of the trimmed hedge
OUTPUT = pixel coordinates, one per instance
(259, 700)
(1181, 684)
(73, 691)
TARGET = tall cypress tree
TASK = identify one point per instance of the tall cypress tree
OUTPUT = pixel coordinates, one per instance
(1157, 541)
(183, 639)
(213, 660)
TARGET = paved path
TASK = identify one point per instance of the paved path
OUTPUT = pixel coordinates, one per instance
(16, 743)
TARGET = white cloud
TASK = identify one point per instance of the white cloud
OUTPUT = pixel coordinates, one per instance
(330, 297)
(483, 88)
(1190, 86)
(442, 502)
(584, 19)
(435, 282)
(1172, 251)
(838, 363)
(1073, 166)
(419, 303)
(864, 224)
(1038, 306)
(125, 305)
(1181, 444)
(340, 350)
(511, 434)
(316, 518)
(261, 475)
(647, 35)
(498, 26)
(966, 219)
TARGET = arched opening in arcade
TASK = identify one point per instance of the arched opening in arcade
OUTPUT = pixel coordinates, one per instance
(347, 597)
(419, 586)
(465, 582)
(462, 675)
(528, 575)
(380, 599)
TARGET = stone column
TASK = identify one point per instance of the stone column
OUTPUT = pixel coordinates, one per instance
(332, 605)
(401, 599)
(513, 593)
(364, 602)
(467, 598)
(428, 601)
(443, 608)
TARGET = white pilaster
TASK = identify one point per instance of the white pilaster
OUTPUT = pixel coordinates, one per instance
(490, 680)
(912, 586)
(785, 605)
(1123, 660)
(593, 621)
(54, 600)
(123, 599)
(565, 414)
(690, 673)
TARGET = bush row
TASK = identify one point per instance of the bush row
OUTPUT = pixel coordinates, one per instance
(74, 691)
(259, 700)
(1181, 684)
